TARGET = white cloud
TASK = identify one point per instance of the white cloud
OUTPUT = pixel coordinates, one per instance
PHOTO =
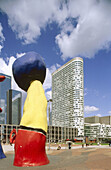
(4, 68)
(1, 48)
(49, 94)
(26, 18)
(53, 68)
(92, 32)
(48, 80)
(109, 112)
(2, 38)
(99, 115)
(58, 65)
(89, 109)
(20, 54)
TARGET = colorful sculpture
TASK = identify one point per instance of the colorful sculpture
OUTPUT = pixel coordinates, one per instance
(29, 72)
(2, 78)
(13, 136)
(0, 109)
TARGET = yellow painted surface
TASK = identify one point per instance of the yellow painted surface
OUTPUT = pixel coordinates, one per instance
(35, 107)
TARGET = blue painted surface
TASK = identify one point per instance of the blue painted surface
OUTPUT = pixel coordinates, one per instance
(2, 155)
(28, 68)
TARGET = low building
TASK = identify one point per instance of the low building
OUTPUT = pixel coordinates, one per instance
(96, 119)
(61, 134)
(97, 130)
(105, 120)
(92, 119)
(54, 133)
(97, 127)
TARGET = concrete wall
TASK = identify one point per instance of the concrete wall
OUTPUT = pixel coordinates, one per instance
(93, 119)
(105, 120)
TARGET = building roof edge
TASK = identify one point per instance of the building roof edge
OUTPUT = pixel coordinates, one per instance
(76, 58)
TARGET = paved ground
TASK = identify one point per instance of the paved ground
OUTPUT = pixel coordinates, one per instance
(90, 158)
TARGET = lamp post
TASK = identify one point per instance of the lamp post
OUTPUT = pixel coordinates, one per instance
(50, 100)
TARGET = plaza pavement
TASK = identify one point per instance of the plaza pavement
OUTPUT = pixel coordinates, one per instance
(78, 158)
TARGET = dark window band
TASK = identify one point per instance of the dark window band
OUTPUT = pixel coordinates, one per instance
(33, 129)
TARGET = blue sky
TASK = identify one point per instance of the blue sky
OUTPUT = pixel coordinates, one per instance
(60, 31)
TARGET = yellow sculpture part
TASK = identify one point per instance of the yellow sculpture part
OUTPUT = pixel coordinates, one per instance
(35, 107)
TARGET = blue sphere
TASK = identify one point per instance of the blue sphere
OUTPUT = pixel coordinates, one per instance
(28, 68)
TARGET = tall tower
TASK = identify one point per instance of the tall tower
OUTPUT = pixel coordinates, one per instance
(14, 98)
(10, 102)
(4, 87)
(67, 96)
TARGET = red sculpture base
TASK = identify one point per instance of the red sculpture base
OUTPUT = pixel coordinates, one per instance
(30, 149)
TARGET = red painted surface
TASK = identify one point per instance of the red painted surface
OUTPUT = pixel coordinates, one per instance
(12, 138)
(2, 78)
(0, 109)
(67, 139)
(30, 149)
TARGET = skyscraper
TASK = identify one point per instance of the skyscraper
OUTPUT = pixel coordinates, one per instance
(4, 87)
(67, 96)
(10, 102)
(13, 106)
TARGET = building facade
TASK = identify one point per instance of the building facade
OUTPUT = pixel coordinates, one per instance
(60, 134)
(97, 127)
(92, 119)
(5, 130)
(10, 102)
(67, 96)
(96, 119)
(14, 98)
(54, 134)
(105, 120)
(97, 130)
(4, 87)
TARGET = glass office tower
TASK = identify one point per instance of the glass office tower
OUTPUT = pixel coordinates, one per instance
(4, 87)
(14, 107)
(67, 96)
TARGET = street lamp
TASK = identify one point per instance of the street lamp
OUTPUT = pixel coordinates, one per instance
(50, 100)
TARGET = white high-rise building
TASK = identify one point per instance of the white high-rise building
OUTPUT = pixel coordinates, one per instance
(67, 96)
